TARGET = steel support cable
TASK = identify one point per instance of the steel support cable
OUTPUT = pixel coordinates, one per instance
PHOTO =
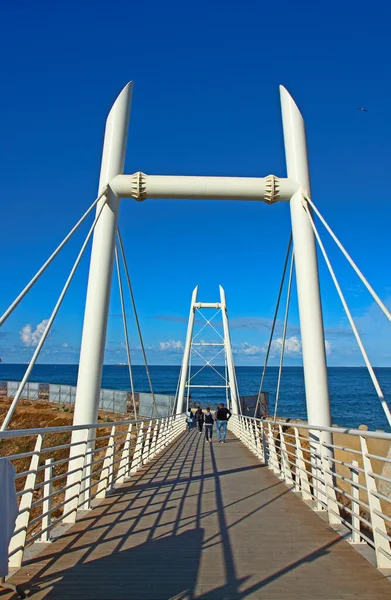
(273, 324)
(189, 376)
(23, 293)
(288, 297)
(237, 391)
(207, 363)
(121, 293)
(351, 261)
(45, 333)
(208, 322)
(226, 378)
(136, 318)
(177, 391)
(351, 321)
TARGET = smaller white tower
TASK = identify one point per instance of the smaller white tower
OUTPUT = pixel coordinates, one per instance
(195, 346)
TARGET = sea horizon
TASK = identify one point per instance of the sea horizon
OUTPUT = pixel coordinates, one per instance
(353, 400)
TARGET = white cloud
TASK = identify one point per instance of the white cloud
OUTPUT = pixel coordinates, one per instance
(30, 337)
(327, 346)
(65, 345)
(247, 349)
(292, 346)
(171, 346)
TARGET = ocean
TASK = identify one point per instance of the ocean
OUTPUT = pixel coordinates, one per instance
(353, 399)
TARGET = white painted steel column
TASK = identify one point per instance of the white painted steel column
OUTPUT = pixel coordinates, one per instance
(228, 353)
(310, 308)
(181, 407)
(100, 275)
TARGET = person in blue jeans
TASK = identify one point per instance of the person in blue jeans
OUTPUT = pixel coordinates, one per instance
(222, 417)
(209, 422)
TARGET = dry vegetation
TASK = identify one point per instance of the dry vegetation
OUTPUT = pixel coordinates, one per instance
(32, 414)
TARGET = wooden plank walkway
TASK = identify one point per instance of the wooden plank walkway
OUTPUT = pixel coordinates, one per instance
(204, 521)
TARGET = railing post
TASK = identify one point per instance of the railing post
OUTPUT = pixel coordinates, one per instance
(18, 541)
(246, 435)
(316, 467)
(273, 459)
(137, 454)
(147, 449)
(47, 502)
(382, 545)
(328, 478)
(170, 435)
(285, 466)
(354, 476)
(106, 476)
(259, 442)
(123, 470)
(264, 443)
(154, 439)
(253, 426)
(72, 494)
(301, 471)
(240, 427)
(85, 482)
(112, 458)
(167, 431)
(249, 434)
(233, 425)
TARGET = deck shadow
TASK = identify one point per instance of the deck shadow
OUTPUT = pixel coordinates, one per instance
(148, 571)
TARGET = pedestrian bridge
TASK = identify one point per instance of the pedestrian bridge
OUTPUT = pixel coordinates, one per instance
(158, 513)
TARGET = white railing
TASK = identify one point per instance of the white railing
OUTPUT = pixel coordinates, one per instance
(344, 472)
(114, 452)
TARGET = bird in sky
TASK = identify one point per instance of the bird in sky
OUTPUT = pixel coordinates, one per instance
(362, 109)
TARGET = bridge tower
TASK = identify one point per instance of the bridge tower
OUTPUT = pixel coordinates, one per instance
(195, 346)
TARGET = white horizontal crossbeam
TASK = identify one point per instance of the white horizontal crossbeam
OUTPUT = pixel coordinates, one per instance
(208, 344)
(206, 386)
(207, 305)
(139, 186)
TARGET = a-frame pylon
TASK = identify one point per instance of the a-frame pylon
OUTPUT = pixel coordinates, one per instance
(192, 345)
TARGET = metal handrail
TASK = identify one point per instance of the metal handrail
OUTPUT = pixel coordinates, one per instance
(321, 478)
(80, 483)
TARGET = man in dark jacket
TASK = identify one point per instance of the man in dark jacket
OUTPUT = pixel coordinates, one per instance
(200, 419)
(222, 416)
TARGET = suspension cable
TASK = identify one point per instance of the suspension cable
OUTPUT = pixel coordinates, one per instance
(125, 329)
(23, 293)
(31, 364)
(284, 336)
(177, 391)
(351, 321)
(136, 317)
(237, 391)
(351, 261)
(274, 323)
(189, 377)
(226, 378)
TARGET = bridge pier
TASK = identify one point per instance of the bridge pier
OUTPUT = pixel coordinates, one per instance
(99, 287)
(306, 265)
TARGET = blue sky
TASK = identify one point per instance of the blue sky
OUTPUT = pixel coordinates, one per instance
(205, 102)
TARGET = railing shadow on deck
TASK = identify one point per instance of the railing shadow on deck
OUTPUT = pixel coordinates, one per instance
(166, 564)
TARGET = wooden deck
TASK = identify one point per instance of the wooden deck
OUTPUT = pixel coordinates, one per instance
(204, 521)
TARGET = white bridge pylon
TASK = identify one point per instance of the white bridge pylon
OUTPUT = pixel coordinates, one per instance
(195, 345)
(115, 185)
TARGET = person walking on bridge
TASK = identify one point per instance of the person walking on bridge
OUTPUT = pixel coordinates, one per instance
(209, 420)
(222, 417)
(189, 418)
(200, 419)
